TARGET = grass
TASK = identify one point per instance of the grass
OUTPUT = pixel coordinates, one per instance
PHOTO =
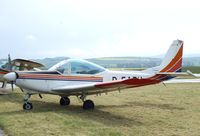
(153, 110)
(194, 69)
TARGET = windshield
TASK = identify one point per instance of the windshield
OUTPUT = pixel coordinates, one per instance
(73, 66)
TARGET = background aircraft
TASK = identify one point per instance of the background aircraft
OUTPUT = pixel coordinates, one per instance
(16, 65)
(80, 78)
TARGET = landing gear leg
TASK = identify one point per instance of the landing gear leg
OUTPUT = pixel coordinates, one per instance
(87, 104)
(27, 105)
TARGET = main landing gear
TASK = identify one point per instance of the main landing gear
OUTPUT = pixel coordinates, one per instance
(87, 104)
(64, 101)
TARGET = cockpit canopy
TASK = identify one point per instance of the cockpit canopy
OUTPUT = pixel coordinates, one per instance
(75, 66)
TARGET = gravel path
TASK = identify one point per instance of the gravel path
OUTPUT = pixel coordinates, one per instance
(5, 90)
(1, 133)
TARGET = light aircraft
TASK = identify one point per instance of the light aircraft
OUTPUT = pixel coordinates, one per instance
(16, 65)
(81, 78)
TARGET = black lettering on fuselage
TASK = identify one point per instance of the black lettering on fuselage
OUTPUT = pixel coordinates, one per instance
(123, 77)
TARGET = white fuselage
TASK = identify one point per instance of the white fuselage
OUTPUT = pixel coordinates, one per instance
(43, 85)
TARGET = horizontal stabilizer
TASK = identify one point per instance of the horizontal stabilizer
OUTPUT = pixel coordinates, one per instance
(178, 74)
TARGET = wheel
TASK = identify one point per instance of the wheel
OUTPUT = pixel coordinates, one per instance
(64, 101)
(88, 105)
(27, 106)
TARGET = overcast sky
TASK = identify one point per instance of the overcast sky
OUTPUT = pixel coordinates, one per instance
(89, 28)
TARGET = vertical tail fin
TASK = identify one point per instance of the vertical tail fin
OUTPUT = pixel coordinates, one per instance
(172, 61)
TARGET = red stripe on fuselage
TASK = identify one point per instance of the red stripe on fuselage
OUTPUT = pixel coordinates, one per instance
(3, 72)
(128, 83)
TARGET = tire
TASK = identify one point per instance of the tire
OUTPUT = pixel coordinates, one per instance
(64, 101)
(27, 106)
(88, 105)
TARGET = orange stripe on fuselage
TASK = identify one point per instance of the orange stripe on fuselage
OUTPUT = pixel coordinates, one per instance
(59, 77)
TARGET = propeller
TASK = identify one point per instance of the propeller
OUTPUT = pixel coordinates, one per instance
(8, 68)
(11, 77)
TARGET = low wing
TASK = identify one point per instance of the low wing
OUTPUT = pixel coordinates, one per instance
(96, 88)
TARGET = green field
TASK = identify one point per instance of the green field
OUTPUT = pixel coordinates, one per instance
(148, 111)
(194, 69)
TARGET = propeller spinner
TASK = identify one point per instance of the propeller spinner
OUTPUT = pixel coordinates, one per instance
(12, 76)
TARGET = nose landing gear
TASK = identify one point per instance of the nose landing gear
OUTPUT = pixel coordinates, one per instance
(27, 105)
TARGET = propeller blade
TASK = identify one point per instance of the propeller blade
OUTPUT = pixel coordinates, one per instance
(9, 63)
(12, 85)
(4, 84)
